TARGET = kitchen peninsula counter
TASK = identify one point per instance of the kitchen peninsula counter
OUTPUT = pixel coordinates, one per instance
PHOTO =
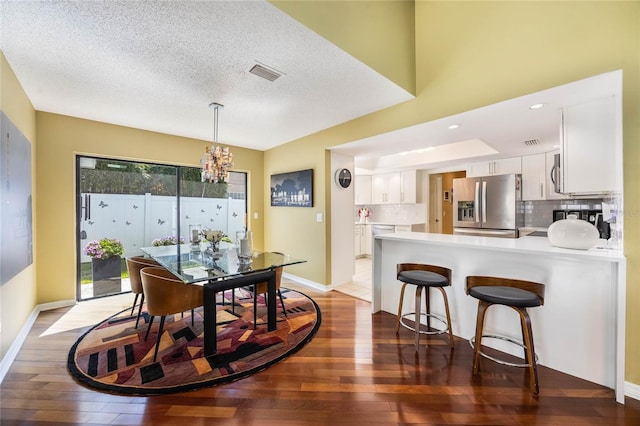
(579, 330)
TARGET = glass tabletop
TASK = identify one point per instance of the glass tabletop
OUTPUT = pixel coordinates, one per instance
(193, 264)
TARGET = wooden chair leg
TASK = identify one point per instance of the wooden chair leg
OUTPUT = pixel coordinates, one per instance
(446, 310)
(427, 303)
(482, 309)
(155, 353)
(527, 338)
(400, 308)
(416, 323)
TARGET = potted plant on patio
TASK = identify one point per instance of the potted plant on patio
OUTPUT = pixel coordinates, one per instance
(106, 265)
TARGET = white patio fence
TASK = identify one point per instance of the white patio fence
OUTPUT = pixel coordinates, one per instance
(137, 220)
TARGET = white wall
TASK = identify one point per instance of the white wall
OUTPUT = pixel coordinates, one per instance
(342, 224)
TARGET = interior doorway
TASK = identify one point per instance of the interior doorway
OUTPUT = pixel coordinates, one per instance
(441, 209)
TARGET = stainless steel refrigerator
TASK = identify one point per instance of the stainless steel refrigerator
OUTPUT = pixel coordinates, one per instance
(489, 206)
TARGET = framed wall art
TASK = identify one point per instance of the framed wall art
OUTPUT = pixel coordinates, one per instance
(16, 238)
(292, 189)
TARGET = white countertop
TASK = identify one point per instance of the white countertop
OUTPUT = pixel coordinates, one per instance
(390, 223)
(537, 245)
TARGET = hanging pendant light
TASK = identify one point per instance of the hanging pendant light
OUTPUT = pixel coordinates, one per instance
(216, 160)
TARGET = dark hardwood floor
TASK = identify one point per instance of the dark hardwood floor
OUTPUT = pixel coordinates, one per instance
(356, 371)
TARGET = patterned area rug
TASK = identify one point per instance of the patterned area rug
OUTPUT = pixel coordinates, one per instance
(114, 357)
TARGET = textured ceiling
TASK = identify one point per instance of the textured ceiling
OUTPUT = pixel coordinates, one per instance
(158, 65)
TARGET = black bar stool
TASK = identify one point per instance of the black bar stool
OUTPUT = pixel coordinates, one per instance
(518, 295)
(424, 276)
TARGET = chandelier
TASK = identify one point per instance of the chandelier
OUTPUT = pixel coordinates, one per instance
(216, 160)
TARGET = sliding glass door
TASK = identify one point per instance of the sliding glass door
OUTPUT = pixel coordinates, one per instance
(125, 205)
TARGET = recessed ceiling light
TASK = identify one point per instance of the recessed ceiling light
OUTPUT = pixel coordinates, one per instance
(536, 106)
(417, 151)
(453, 126)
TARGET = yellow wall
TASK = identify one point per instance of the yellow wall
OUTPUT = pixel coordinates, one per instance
(18, 295)
(297, 231)
(60, 138)
(387, 27)
(472, 54)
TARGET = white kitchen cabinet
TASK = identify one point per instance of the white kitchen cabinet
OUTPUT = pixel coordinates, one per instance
(394, 188)
(365, 240)
(362, 239)
(386, 188)
(503, 166)
(362, 187)
(591, 152)
(534, 177)
(478, 169)
(549, 164)
(408, 187)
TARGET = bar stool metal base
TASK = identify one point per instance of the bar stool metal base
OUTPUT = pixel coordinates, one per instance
(424, 315)
(472, 342)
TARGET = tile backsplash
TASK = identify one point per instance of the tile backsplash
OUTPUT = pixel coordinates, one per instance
(539, 214)
(394, 213)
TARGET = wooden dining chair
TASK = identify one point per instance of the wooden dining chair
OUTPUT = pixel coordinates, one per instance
(166, 295)
(134, 265)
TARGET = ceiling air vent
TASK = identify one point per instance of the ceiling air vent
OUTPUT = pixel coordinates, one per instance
(264, 72)
(532, 142)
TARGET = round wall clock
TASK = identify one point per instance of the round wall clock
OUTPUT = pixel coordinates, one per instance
(343, 178)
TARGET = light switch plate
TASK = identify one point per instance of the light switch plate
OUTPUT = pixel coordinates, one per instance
(318, 217)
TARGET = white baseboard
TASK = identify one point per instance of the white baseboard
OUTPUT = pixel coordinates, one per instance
(11, 354)
(306, 282)
(632, 390)
(55, 305)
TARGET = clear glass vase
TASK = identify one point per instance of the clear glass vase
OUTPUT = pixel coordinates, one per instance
(244, 241)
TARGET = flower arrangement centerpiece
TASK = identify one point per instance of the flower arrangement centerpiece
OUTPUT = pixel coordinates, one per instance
(170, 240)
(214, 237)
(104, 249)
(364, 213)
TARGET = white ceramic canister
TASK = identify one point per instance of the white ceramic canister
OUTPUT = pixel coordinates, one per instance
(573, 233)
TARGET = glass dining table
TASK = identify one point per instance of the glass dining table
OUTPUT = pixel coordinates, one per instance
(219, 272)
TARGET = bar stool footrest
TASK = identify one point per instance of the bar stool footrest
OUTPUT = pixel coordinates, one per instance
(472, 342)
(424, 315)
